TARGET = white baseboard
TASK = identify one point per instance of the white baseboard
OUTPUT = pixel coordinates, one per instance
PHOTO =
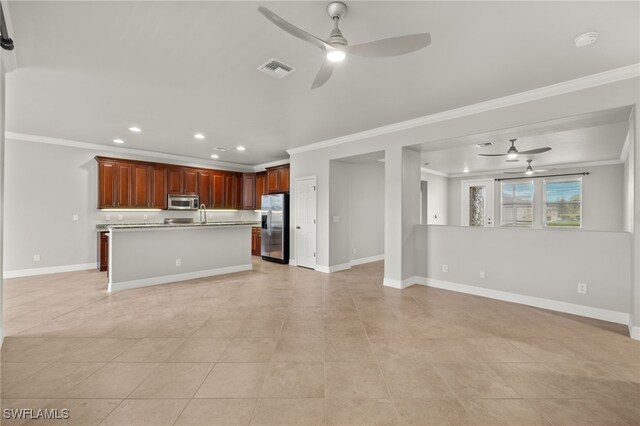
(408, 282)
(167, 279)
(334, 268)
(554, 305)
(634, 331)
(48, 270)
(293, 262)
(369, 259)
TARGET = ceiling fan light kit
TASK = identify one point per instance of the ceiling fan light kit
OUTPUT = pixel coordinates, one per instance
(336, 48)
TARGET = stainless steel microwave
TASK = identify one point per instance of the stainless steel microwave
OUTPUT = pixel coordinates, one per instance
(183, 202)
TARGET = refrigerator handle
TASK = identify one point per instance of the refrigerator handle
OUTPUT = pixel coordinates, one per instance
(269, 222)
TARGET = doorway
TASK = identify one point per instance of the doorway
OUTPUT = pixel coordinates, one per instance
(477, 203)
(306, 201)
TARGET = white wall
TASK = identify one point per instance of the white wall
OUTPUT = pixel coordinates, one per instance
(437, 199)
(339, 213)
(602, 198)
(367, 209)
(532, 262)
(45, 186)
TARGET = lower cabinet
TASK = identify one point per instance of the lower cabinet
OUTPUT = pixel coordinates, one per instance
(103, 251)
(256, 240)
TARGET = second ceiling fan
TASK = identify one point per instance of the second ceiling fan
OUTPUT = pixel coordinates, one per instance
(336, 47)
(513, 152)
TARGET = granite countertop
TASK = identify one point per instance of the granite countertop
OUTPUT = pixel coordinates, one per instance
(101, 227)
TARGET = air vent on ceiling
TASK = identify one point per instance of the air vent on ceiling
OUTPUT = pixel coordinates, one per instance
(276, 69)
(484, 144)
(221, 148)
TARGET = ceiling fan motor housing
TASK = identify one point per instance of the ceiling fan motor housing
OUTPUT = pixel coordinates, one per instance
(336, 9)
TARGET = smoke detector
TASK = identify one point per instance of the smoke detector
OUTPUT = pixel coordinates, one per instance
(586, 39)
(276, 68)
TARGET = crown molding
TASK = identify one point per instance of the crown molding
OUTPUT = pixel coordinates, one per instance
(189, 161)
(262, 167)
(569, 86)
(492, 173)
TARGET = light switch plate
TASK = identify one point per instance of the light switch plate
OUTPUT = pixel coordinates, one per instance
(36, 258)
(482, 274)
(445, 268)
(75, 217)
(582, 288)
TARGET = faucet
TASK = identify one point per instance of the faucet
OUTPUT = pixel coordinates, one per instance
(203, 213)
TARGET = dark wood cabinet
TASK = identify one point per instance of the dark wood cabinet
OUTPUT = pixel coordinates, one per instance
(141, 177)
(261, 188)
(205, 193)
(103, 251)
(114, 185)
(233, 191)
(159, 188)
(278, 179)
(182, 181)
(140, 184)
(174, 181)
(248, 191)
(256, 241)
(217, 186)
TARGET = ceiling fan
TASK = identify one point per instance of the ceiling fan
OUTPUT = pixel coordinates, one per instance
(529, 170)
(336, 47)
(513, 152)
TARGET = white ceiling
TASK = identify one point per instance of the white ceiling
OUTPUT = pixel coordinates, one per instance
(89, 70)
(586, 138)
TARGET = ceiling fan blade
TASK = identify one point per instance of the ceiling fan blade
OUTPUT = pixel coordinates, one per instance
(543, 170)
(391, 46)
(323, 74)
(492, 155)
(535, 151)
(292, 29)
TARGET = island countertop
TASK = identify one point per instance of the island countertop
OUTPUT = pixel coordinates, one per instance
(102, 227)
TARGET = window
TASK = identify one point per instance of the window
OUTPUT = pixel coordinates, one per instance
(563, 202)
(517, 203)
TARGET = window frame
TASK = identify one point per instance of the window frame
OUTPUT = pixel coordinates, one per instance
(544, 201)
(533, 204)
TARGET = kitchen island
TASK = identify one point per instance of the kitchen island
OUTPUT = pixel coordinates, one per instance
(149, 254)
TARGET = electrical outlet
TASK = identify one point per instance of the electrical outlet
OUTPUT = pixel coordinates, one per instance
(120, 217)
(582, 288)
(178, 262)
(482, 274)
(75, 217)
(107, 217)
(146, 217)
(353, 250)
(36, 258)
(445, 268)
(336, 218)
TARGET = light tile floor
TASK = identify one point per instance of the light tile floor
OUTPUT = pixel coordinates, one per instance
(284, 345)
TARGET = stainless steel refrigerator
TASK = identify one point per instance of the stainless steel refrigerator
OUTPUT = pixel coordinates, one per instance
(275, 228)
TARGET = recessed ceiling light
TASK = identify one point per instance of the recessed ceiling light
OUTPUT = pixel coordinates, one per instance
(241, 148)
(466, 170)
(135, 129)
(215, 156)
(118, 141)
(199, 136)
(586, 39)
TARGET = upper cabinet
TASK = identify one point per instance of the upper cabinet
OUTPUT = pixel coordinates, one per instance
(138, 184)
(278, 179)
(261, 188)
(114, 183)
(182, 180)
(248, 191)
